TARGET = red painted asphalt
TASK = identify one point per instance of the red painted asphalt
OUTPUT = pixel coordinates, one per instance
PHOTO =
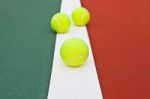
(120, 36)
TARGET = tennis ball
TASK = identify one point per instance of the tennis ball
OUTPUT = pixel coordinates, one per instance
(60, 22)
(74, 52)
(80, 16)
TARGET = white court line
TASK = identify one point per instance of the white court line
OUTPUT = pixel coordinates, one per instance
(73, 83)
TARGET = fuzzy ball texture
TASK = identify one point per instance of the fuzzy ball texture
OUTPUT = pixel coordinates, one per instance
(80, 16)
(60, 23)
(74, 52)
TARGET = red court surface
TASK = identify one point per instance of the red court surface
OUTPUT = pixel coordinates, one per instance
(120, 37)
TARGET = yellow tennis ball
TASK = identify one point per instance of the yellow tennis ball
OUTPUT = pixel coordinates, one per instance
(80, 16)
(74, 52)
(60, 23)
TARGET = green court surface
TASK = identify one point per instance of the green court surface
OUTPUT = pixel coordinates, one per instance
(26, 47)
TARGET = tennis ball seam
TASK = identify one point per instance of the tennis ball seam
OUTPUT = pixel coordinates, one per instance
(82, 17)
(76, 58)
(58, 22)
